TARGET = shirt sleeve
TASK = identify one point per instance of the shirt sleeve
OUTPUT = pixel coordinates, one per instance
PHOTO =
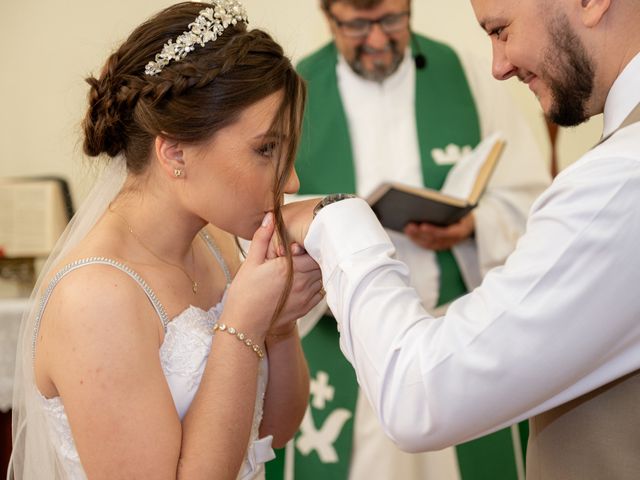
(559, 319)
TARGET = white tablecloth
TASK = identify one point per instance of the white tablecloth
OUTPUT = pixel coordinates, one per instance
(10, 315)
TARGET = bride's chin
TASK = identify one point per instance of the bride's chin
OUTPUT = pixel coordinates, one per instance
(248, 233)
(245, 230)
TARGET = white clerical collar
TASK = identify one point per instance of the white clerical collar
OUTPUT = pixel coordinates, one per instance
(623, 96)
(397, 78)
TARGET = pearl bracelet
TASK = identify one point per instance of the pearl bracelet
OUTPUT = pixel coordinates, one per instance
(240, 336)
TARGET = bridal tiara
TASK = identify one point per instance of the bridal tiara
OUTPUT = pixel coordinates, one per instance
(208, 25)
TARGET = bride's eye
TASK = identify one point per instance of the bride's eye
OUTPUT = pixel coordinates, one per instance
(267, 149)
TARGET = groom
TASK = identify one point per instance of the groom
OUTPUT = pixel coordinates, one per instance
(552, 336)
(386, 104)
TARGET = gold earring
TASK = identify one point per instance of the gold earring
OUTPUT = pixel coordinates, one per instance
(177, 172)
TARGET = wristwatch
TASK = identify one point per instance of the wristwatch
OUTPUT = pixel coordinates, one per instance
(329, 199)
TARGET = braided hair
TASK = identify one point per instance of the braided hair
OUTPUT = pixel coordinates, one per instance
(191, 99)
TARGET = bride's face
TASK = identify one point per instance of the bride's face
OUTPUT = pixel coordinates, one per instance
(232, 176)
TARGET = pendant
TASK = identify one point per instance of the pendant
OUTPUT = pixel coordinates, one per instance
(194, 287)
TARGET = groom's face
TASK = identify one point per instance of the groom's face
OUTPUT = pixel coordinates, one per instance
(535, 41)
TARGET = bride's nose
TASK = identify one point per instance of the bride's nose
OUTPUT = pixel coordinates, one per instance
(293, 182)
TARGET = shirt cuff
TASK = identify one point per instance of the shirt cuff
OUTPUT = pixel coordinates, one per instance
(342, 229)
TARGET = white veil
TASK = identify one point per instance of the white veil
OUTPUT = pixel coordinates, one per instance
(34, 455)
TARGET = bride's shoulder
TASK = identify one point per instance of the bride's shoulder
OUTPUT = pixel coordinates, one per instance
(95, 315)
(93, 287)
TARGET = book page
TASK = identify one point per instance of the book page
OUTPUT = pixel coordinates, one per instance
(32, 217)
(462, 176)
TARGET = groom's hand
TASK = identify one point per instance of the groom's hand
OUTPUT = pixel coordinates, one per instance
(297, 217)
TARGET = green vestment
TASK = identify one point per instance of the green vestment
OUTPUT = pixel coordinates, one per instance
(445, 114)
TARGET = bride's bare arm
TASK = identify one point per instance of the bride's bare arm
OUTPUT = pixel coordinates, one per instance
(100, 341)
(288, 390)
(99, 347)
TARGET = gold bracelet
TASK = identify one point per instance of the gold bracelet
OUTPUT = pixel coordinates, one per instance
(240, 336)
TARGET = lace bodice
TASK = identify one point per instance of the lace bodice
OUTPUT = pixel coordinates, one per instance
(183, 355)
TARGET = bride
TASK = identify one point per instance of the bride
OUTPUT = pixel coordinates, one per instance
(151, 352)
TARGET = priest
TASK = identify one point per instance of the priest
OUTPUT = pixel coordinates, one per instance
(386, 104)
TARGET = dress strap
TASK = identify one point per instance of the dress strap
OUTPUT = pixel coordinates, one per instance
(164, 319)
(213, 248)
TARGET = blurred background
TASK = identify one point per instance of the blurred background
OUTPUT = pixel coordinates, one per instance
(51, 46)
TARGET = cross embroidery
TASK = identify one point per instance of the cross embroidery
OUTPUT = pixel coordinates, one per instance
(322, 440)
(321, 390)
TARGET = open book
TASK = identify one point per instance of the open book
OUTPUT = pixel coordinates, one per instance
(34, 213)
(396, 204)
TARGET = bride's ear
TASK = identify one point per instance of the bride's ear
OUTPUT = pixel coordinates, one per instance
(170, 156)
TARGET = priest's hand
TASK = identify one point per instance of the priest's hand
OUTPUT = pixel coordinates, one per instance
(433, 237)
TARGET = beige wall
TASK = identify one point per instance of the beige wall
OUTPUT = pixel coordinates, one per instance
(51, 46)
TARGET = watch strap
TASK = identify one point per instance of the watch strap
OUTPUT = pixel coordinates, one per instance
(329, 199)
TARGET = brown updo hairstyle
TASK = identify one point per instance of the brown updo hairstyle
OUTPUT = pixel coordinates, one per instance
(191, 99)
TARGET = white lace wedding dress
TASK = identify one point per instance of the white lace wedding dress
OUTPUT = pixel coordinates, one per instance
(183, 354)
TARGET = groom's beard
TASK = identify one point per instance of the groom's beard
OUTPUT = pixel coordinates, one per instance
(570, 74)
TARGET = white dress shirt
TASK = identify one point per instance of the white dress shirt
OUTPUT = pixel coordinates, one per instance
(385, 148)
(559, 319)
(384, 140)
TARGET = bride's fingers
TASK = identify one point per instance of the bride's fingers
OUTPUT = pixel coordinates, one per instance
(274, 249)
(314, 288)
(297, 249)
(258, 250)
(315, 284)
(313, 301)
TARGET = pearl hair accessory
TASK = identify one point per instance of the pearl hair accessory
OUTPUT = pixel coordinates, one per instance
(207, 27)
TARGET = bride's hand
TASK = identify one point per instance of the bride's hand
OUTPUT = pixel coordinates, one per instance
(306, 292)
(297, 217)
(257, 287)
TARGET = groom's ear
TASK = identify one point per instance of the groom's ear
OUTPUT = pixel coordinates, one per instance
(593, 11)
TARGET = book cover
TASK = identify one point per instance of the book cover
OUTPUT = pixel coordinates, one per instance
(397, 204)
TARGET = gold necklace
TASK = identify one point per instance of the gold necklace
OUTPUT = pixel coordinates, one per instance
(194, 283)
